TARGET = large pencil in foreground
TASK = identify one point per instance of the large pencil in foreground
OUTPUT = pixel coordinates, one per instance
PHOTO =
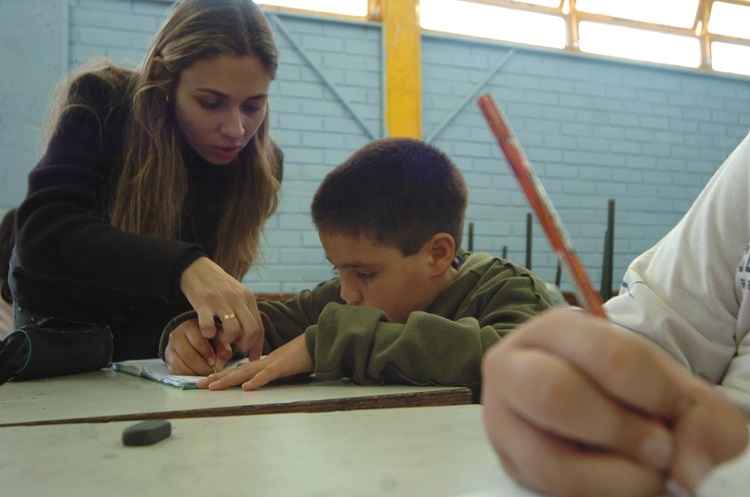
(540, 204)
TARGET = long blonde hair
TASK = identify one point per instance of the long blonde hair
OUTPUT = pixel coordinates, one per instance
(151, 189)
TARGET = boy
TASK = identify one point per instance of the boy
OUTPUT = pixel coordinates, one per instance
(407, 306)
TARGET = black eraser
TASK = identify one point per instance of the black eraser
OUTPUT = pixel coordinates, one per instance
(146, 432)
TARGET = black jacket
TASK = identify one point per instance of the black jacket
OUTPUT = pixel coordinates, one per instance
(71, 263)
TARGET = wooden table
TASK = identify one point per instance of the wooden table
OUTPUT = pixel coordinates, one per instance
(109, 396)
(434, 451)
(395, 452)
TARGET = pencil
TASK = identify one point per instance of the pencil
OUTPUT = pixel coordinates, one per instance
(540, 204)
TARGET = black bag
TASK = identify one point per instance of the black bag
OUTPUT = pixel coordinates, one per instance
(54, 347)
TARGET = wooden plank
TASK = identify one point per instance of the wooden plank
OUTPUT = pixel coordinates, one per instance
(109, 396)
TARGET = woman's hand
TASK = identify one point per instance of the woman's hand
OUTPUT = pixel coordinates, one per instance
(214, 294)
(575, 406)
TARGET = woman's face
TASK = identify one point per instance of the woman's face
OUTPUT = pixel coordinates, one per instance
(220, 103)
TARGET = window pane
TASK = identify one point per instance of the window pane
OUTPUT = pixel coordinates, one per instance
(679, 13)
(639, 44)
(543, 3)
(488, 21)
(346, 7)
(730, 20)
(728, 57)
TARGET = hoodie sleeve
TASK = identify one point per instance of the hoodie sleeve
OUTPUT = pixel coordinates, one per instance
(428, 349)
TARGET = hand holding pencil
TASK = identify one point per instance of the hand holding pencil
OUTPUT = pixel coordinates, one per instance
(575, 406)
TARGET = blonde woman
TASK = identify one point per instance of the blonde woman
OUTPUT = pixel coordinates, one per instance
(154, 187)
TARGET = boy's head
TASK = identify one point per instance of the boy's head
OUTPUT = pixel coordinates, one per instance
(390, 219)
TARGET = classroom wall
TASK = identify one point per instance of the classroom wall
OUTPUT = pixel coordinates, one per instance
(595, 129)
(33, 56)
(648, 137)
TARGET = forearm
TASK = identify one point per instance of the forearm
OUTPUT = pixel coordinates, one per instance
(286, 320)
(61, 237)
(427, 349)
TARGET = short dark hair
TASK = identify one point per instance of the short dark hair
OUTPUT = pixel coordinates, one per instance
(7, 240)
(398, 191)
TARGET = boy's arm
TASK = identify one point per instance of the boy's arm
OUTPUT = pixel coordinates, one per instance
(285, 320)
(428, 349)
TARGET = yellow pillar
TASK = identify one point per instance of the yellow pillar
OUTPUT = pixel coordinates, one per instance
(403, 67)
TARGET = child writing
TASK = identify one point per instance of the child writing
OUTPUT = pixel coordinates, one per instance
(407, 306)
(630, 406)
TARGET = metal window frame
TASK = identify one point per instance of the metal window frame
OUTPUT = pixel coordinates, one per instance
(573, 17)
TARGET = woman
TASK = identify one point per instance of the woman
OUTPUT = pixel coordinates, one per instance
(154, 187)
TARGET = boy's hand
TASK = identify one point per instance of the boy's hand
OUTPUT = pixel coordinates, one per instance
(189, 352)
(576, 406)
(290, 359)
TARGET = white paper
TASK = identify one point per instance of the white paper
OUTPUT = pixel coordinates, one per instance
(156, 370)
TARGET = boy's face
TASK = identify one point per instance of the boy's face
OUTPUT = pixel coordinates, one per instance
(380, 276)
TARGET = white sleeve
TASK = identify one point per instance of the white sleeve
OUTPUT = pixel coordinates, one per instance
(736, 383)
(681, 293)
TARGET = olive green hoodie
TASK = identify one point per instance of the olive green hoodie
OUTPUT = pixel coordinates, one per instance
(440, 345)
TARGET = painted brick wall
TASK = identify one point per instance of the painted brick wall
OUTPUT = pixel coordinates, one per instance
(647, 137)
(31, 65)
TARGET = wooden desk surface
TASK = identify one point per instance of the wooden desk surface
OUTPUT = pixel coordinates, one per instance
(432, 451)
(109, 396)
(395, 452)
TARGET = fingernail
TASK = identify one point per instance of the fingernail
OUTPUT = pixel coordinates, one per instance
(696, 468)
(674, 489)
(657, 450)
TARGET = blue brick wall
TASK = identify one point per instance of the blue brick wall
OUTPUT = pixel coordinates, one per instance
(31, 65)
(594, 129)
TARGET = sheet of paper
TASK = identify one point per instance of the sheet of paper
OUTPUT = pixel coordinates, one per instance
(156, 370)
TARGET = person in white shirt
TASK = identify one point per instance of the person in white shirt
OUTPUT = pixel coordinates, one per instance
(612, 414)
